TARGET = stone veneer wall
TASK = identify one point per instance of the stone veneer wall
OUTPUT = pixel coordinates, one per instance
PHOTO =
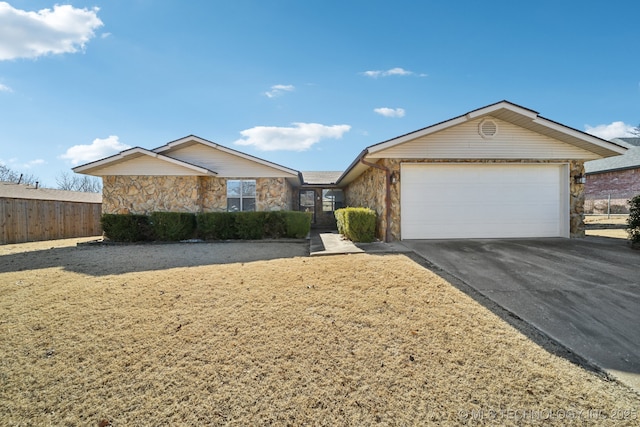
(273, 194)
(368, 190)
(146, 194)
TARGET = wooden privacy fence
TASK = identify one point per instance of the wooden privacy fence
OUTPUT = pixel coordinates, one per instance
(34, 219)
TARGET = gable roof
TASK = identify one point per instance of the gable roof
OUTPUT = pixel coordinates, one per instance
(190, 155)
(320, 177)
(190, 140)
(629, 160)
(505, 111)
(102, 167)
(11, 190)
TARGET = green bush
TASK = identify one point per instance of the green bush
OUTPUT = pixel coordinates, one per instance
(274, 225)
(298, 224)
(249, 225)
(340, 219)
(633, 223)
(172, 226)
(216, 225)
(126, 227)
(357, 224)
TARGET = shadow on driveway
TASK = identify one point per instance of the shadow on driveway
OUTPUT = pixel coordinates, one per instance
(583, 293)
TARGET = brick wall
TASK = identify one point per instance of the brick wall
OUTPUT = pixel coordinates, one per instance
(610, 191)
(622, 184)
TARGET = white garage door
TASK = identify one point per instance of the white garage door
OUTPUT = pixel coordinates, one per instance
(441, 201)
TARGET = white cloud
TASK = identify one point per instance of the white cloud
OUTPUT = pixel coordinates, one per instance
(390, 112)
(611, 131)
(5, 88)
(397, 71)
(277, 90)
(35, 162)
(299, 137)
(25, 34)
(15, 164)
(98, 149)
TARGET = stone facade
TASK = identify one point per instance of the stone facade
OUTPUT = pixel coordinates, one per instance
(273, 194)
(146, 194)
(368, 190)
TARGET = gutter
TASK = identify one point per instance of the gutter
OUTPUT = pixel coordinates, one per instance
(387, 201)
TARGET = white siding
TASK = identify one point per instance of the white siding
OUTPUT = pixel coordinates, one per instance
(144, 165)
(440, 201)
(225, 164)
(464, 142)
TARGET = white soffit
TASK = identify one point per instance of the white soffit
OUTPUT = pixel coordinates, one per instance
(192, 139)
(101, 167)
(519, 116)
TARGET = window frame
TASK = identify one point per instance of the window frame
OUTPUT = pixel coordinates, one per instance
(241, 195)
(331, 201)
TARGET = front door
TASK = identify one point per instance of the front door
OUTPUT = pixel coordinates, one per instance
(308, 203)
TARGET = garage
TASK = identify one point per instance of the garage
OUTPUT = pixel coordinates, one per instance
(480, 200)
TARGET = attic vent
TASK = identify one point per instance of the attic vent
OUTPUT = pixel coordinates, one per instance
(488, 128)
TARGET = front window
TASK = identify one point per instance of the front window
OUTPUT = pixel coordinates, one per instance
(332, 199)
(241, 195)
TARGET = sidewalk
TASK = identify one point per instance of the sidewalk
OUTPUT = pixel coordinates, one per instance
(331, 243)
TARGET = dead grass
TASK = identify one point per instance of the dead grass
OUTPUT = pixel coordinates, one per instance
(341, 340)
(612, 226)
(606, 219)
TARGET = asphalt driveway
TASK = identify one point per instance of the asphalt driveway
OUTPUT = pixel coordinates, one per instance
(584, 293)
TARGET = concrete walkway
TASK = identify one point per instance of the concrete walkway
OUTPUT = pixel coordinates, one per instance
(324, 243)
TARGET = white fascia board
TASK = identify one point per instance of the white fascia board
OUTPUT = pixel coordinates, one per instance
(500, 106)
(258, 160)
(616, 149)
(124, 155)
(191, 138)
(198, 169)
(417, 134)
(178, 142)
(112, 159)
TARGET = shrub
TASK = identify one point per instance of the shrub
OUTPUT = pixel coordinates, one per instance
(633, 223)
(172, 226)
(249, 225)
(126, 227)
(357, 224)
(274, 225)
(216, 225)
(297, 224)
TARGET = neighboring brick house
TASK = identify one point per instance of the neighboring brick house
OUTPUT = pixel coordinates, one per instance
(612, 181)
(498, 171)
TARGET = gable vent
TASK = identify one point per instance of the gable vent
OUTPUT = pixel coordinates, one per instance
(488, 128)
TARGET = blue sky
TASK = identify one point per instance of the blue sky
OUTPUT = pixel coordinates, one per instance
(304, 83)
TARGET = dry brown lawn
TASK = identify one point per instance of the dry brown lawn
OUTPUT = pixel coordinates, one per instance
(600, 226)
(183, 335)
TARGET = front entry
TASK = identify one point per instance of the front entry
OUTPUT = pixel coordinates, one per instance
(308, 203)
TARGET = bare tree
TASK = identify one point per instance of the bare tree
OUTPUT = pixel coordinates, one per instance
(76, 182)
(9, 175)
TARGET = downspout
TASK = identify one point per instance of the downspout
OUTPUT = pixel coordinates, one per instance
(387, 202)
